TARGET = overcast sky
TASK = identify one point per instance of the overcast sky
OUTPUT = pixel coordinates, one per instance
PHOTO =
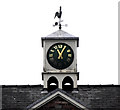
(24, 22)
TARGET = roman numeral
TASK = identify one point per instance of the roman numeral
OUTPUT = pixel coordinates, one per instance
(50, 55)
(68, 59)
(69, 55)
(68, 50)
(60, 46)
(52, 59)
(52, 50)
(55, 47)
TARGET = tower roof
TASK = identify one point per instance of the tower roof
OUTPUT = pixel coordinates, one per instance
(60, 35)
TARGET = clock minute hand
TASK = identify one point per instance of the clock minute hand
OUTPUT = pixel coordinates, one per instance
(60, 53)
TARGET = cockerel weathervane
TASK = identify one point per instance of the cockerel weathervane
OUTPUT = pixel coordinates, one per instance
(59, 14)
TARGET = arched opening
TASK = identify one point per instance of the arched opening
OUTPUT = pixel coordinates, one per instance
(52, 83)
(67, 84)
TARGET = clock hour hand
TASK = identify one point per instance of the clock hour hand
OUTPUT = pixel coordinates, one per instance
(60, 53)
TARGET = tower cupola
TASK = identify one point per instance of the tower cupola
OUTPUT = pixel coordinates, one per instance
(60, 60)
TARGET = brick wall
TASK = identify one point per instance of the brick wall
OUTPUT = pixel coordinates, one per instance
(58, 104)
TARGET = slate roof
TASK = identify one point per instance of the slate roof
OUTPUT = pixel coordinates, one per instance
(92, 96)
(99, 96)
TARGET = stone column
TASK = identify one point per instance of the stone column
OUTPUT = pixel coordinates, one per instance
(60, 84)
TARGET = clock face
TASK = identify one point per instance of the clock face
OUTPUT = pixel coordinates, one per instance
(60, 55)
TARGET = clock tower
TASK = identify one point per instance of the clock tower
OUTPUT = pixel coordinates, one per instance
(60, 60)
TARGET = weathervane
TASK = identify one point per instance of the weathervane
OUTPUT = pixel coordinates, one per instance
(59, 14)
